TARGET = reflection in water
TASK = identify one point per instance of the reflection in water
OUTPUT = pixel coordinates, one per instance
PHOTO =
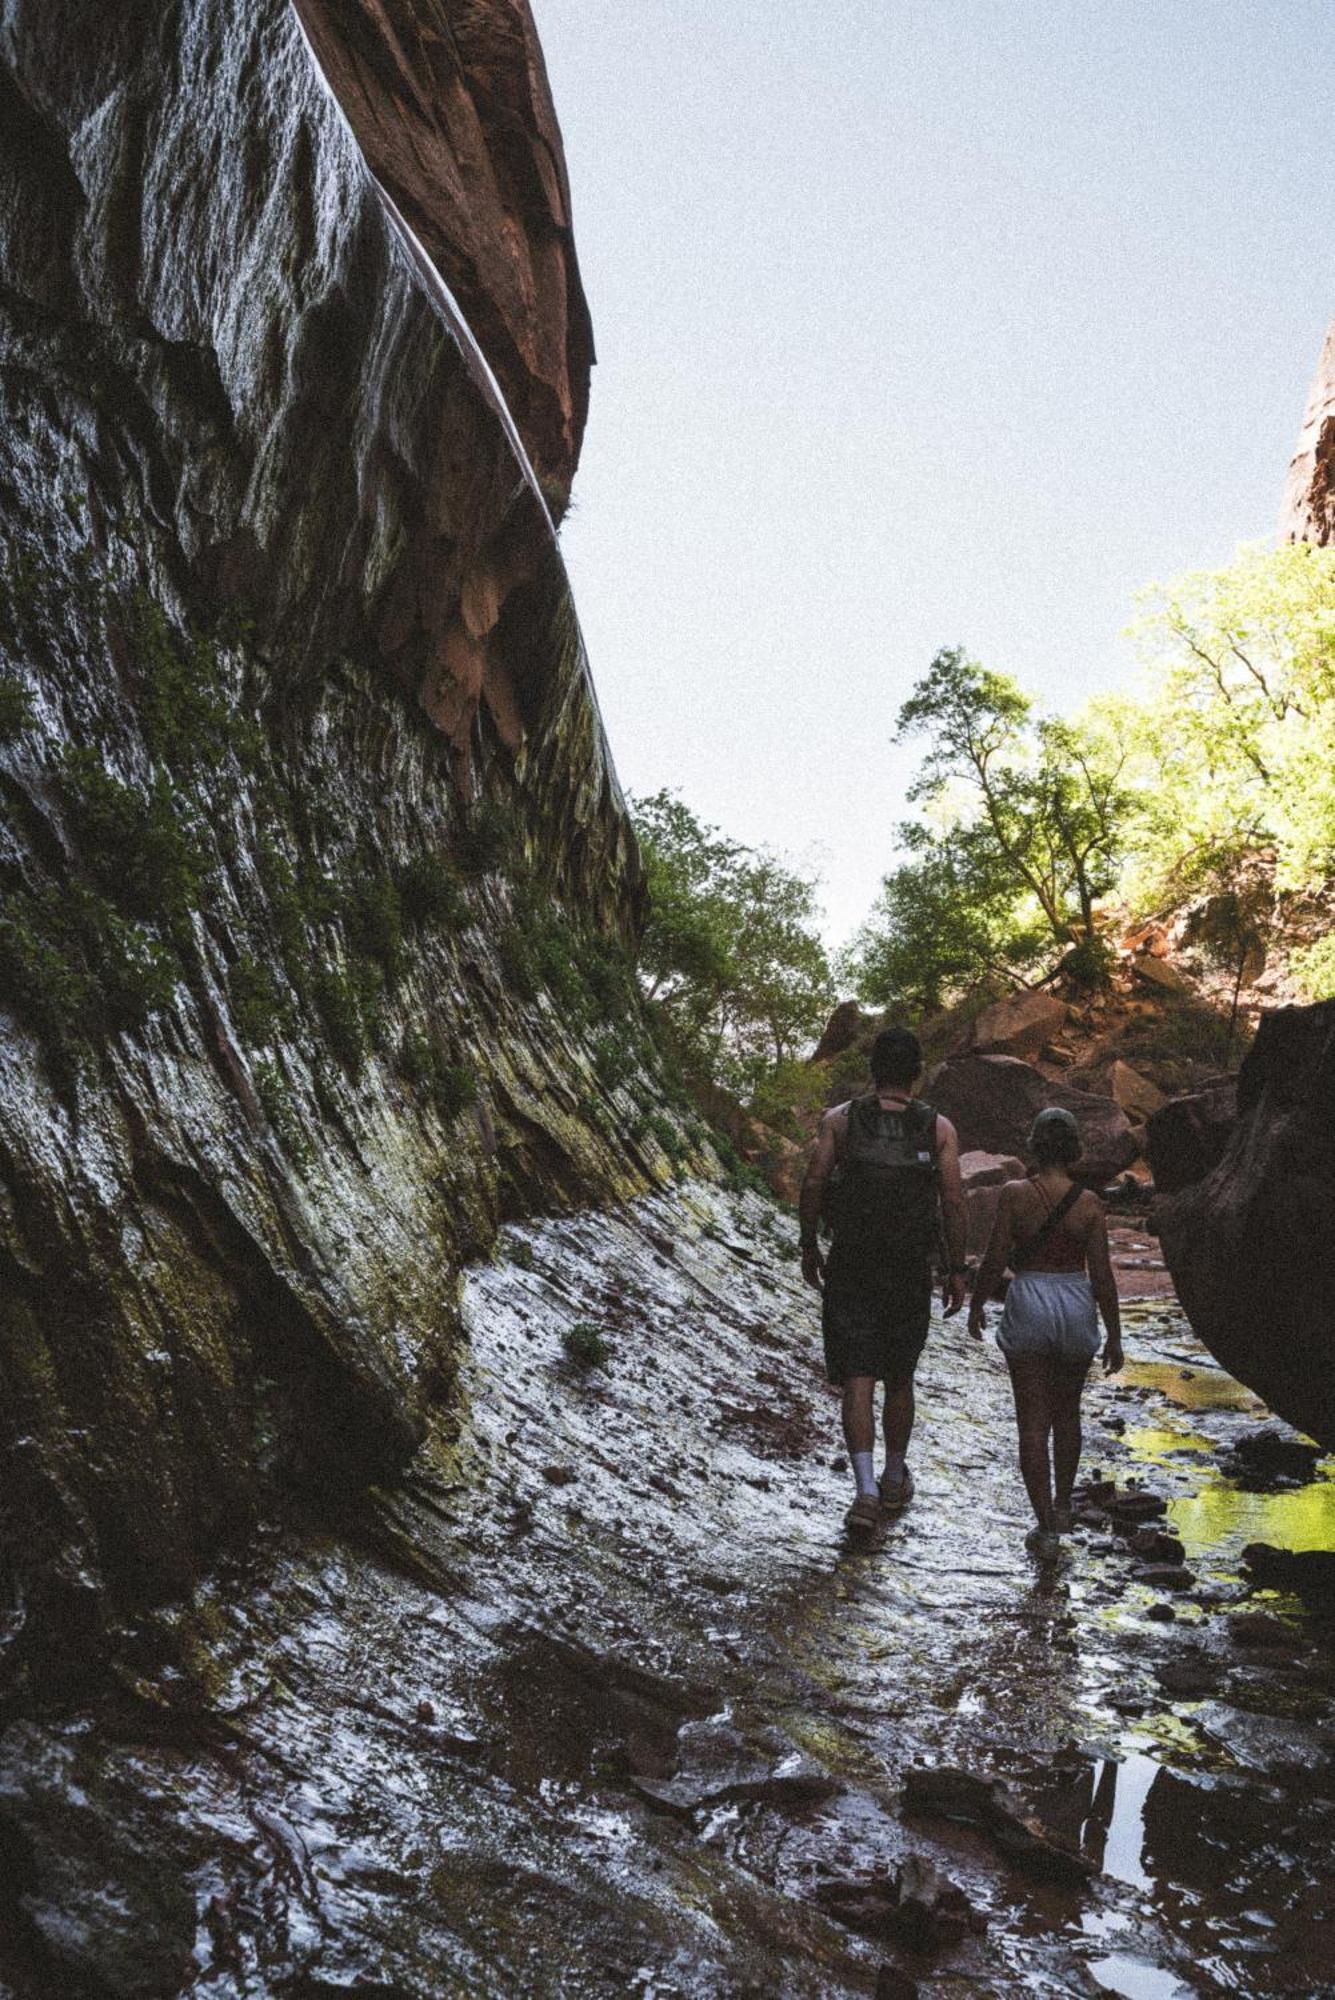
(1221, 1519)
(1133, 1979)
(1200, 1387)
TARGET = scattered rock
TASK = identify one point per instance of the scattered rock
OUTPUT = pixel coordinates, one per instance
(1309, 1572)
(1164, 1576)
(1019, 1025)
(1135, 1505)
(1263, 1457)
(425, 1711)
(1138, 1097)
(1157, 1547)
(1189, 1675)
(842, 1031)
(1187, 1138)
(989, 1169)
(714, 1764)
(559, 1475)
(1259, 1629)
(1162, 1614)
(1162, 973)
(993, 1100)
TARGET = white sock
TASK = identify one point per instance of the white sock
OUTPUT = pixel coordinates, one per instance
(894, 1466)
(864, 1471)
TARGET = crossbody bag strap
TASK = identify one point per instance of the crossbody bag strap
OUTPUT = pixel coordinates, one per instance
(1057, 1213)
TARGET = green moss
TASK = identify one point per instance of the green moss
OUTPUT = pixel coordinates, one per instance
(180, 699)
(488, 838)
(338, 1003)
(666, 1133)
(139, 846)
(430, 896)
(77, 970)
(16, 710)
(450, 1087)
(259, 1005)
(615, 1057)
(373, 919)
(586, 1345)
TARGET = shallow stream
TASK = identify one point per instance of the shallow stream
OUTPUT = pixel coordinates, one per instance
(602, 1702)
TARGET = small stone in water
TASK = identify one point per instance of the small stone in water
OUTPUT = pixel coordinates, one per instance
(1162, 1614)
(425, 1711)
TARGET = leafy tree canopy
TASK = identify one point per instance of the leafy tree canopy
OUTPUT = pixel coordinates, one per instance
(730, 948)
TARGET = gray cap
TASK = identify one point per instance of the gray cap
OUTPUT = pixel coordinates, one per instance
(1053, 1117)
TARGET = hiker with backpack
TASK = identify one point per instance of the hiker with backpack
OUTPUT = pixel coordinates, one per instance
(886, 1175)
(1052, 1234)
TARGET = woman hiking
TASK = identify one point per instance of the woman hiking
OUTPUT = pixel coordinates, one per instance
(1052, 1234)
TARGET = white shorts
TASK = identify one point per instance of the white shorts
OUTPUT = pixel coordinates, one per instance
(1050, 1313)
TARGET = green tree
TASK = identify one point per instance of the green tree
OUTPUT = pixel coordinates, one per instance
(946, 918)
(1236, 728)
(1028, 816)
(730, 949)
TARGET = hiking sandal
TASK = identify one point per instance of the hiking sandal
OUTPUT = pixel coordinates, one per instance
(896, 1493)
(864, 1514)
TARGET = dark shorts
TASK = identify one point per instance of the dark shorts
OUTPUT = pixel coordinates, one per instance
(875, 1322)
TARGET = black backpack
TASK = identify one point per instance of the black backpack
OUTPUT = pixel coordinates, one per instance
(883, 1194)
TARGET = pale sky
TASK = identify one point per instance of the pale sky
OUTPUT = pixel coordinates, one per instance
(953, 322)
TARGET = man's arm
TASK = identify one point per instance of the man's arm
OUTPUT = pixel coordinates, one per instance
(809, 1201)
(953, 1213)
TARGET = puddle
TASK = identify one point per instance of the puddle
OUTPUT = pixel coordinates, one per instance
(1118, 1812)
(1193, 1388)
(1221, 1519)
(1135, 1980)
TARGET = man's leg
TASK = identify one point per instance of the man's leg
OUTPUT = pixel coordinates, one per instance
(860, 1430)
(899, 1414)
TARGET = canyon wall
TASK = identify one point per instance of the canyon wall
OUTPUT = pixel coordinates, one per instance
(317, 884)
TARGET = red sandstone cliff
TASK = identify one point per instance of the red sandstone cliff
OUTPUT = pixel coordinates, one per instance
(1308, 513)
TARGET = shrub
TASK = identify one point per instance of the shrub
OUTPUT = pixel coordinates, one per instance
(339, 1005)
(139, 845)
(429, 894)
(259, 1006)
(449, 1086)
(487, 839)
(15, 708)
(586, 1345)
(373, 919)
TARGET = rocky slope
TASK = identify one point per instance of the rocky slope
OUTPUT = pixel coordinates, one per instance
(315, 872)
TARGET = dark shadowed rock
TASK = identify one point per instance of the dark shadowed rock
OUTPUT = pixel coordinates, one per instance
(843, 1031)
(1187, 1137)
(1263, 1457)
(993, 1100)
(1250, 1246)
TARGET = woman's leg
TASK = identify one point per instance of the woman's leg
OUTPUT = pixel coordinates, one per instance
(1066, 1381)
(1029, 1381)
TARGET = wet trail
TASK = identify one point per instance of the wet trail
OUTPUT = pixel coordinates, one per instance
(601, 1702)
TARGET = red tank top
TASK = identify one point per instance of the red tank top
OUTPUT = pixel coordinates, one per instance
(1060, 1250)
